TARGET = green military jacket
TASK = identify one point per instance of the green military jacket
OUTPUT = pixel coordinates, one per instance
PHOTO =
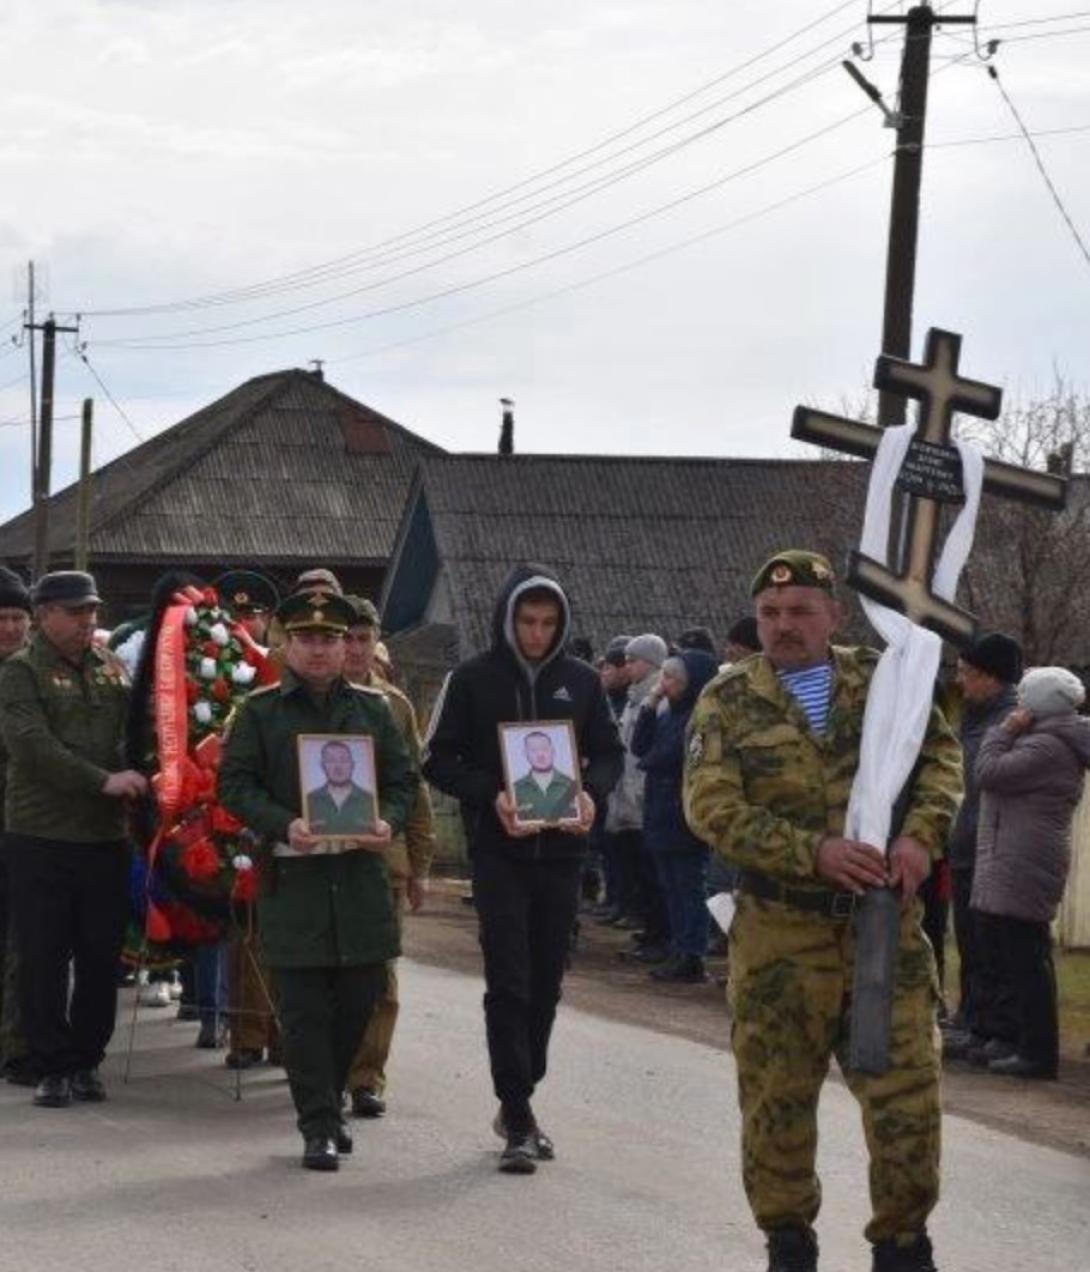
(3, 768)
(329, 910)
(63, 726)
(326, 817)
(411, 853)
(557, 800)
(763, 790)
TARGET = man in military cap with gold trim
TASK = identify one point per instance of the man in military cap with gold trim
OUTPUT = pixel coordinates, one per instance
(773, 751)
(327, 920)
(251, 600)
(408, 861)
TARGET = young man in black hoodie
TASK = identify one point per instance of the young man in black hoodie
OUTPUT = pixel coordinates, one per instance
(525, 879)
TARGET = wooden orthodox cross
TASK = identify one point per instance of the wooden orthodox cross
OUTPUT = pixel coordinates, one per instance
(930, 476)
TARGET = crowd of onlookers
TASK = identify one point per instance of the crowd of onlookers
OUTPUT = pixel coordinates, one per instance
(1025, 750)
(654, 874)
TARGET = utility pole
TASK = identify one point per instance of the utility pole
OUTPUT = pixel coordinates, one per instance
(44, 465)
(33, 384)
(83, 506)
(904, 220)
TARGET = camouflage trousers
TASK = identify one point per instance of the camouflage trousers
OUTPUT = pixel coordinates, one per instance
(790, 992)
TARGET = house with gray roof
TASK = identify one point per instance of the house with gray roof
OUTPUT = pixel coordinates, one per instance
(281, 473)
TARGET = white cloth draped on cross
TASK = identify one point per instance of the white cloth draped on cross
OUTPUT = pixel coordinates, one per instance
(901, 692)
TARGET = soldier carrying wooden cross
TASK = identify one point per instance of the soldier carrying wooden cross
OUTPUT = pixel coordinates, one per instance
(830, 780)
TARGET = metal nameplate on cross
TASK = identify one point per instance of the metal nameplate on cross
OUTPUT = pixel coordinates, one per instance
(929, 477)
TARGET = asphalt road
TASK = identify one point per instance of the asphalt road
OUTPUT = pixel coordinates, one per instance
(174, 1175)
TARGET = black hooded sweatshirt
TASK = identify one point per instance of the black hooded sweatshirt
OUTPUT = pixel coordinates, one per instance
(462, 749)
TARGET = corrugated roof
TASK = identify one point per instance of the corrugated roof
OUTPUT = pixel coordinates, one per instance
(285, 467)
(640, 544)
(647, 544)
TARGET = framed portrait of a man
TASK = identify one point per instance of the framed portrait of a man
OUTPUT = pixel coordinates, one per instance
(338, 785)
(541, 771)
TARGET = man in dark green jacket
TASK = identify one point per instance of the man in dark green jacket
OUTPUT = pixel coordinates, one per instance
(325, 910)
(62, 714)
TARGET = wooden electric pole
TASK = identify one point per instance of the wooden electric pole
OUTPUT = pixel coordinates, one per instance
(83, 505)
(31, 286)
(904, 219)
(44, 464)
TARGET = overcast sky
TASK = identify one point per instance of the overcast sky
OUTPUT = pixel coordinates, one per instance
(161, 151)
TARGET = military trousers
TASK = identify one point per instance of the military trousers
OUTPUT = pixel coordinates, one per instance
(369, 1065)
(70, 904)
(323, 1013)
(790, 990)
(526, 910)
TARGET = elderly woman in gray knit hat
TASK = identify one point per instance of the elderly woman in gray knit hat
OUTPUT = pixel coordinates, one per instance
(1030, 770)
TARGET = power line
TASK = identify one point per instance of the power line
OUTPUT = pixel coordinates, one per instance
(626, 267)
(577, 197)
(80, 351)
(1015, 136)
(1039, 161)
(320, 272)
(1055, 17)
(1045, 35)
(507, 272)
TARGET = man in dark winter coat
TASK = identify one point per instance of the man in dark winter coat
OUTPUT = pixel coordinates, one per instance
(987, 673)
(525, 878)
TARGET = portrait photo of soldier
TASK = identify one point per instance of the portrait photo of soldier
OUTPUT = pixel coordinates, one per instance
(338, 778)
(542, 769)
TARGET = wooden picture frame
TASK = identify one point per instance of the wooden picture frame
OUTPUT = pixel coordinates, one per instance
(337, 760)
(556, 804)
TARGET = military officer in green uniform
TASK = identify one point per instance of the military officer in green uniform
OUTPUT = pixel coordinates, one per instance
(62, 714)
(544, 794)
(327, 919)
(773, 749)
(15, 611)
(339, 806)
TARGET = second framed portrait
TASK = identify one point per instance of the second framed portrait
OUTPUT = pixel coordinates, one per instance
(541, 771)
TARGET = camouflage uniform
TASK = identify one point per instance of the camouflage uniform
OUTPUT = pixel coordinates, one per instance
(763, 790)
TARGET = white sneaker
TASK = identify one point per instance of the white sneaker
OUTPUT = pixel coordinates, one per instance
(156, 994)
(174, 985)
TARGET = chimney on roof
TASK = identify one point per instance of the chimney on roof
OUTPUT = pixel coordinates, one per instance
(316, 371)
(507, 428)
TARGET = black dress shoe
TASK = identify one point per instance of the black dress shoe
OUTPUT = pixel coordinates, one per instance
(519, 1154)
(87, 1086)
(320, 1153)
(365, 1103)
(343, 1140)
(54, 1092)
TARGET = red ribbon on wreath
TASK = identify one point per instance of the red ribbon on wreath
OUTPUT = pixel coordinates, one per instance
(172, 737)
